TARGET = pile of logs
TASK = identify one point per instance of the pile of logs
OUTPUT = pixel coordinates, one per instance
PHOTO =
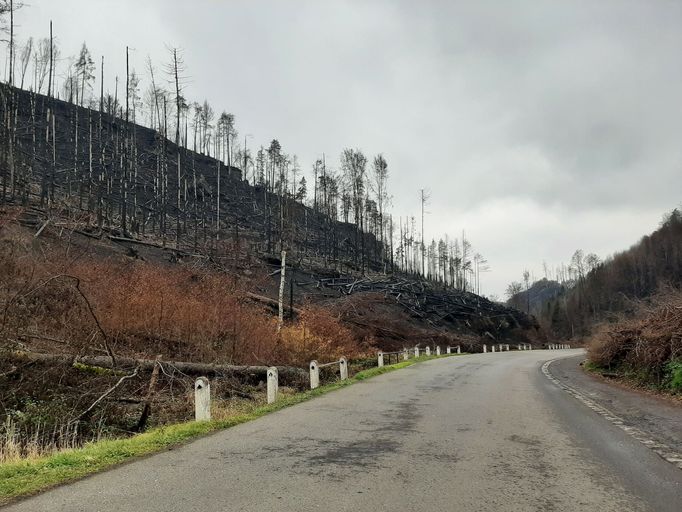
(431, 302)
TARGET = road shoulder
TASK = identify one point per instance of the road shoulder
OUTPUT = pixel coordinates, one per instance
(655, 422)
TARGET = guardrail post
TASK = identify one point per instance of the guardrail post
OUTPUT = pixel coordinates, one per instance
(437, 351)
(485, 349)
(380, 357)
(273, 384)
(314, 375)
(202, 399)
(405, 355)
(428, 351)
(416, 351)
(447, 350)
(459, 349)
(343, 368)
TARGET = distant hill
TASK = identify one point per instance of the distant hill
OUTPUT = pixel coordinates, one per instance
(536, 296)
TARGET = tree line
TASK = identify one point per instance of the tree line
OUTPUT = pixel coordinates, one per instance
(587, 291)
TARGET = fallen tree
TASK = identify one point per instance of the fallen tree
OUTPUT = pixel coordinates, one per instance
(288, 374)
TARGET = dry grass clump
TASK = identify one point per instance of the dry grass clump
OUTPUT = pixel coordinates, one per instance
(648, 345)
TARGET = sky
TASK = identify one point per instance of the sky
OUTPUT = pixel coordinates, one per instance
(538, 127)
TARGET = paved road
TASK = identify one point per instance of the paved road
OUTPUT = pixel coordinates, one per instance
(487, 432)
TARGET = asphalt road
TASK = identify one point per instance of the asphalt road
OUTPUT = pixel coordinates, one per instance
(486, 432)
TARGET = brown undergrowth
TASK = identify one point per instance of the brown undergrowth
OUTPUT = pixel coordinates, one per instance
(646, 347)
(59, 297)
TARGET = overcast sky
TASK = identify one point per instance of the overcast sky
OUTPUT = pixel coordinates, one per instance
(539, 127)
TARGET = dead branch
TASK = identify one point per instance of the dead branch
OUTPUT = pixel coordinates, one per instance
(94, 404)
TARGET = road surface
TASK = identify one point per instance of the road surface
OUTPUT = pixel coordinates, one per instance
(485, 432)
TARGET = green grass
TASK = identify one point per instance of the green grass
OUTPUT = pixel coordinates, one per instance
(667, 382)
(31, 476)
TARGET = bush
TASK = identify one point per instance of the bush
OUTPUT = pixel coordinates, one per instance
(648, 346)
(674, 375)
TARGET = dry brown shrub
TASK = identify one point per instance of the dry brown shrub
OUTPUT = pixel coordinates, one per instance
(180, 312)
(319, 334)
(647, 342)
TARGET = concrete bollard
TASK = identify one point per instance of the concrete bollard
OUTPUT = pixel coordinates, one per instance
(459, 349)
(380, 357)
(405, 355)
(416, 351)
(202, 399)
(448, 350)
(492, 347)
(485, 349)
(273, 384)
(314, 375)
(343, 368)
(428, 351)
(437, 351)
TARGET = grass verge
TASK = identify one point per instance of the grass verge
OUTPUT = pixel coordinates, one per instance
(18, 479)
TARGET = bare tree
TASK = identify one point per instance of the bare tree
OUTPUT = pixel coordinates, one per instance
(424, 197)
(25, 59)
(85, 68)
(175, 70)
(379, 187)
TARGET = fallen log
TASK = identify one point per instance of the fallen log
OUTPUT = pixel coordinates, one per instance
(270, 302)
(194, 369)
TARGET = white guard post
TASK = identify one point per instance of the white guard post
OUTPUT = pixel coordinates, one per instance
(202, 399)
(273, 384)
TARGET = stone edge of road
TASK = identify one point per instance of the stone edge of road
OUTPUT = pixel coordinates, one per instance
(662, 450)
